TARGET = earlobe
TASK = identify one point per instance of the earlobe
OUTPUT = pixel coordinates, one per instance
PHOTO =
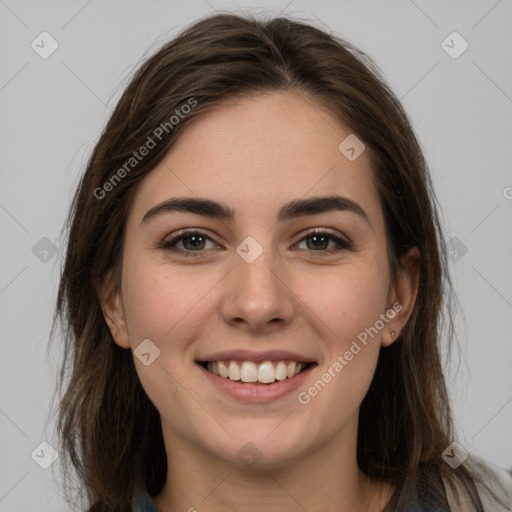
(402, 295)
(112, 309)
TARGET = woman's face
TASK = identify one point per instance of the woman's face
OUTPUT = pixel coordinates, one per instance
(256, 286)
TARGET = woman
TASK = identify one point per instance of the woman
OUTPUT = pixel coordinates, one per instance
(253, 287)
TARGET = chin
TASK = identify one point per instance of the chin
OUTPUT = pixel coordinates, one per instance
(256, 449)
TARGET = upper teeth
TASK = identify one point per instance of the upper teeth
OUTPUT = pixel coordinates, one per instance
(265, 372)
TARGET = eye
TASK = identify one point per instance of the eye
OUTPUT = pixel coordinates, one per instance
(320, 241)
(190, 241)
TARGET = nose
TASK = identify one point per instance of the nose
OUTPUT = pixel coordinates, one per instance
(258, 296)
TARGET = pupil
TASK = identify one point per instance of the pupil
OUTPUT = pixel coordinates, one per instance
(315, 238)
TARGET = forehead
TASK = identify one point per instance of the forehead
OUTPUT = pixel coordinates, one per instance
(257, 153)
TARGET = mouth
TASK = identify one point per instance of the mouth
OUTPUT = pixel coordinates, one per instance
(259, 381)
(257, 373)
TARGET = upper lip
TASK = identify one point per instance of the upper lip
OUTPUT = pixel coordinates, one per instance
(251, 355)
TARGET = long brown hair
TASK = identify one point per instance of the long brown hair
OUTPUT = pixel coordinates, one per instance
(109, 430)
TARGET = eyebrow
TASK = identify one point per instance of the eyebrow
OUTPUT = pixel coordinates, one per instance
(291, 210)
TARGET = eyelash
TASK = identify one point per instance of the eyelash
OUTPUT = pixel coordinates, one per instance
(169, 245)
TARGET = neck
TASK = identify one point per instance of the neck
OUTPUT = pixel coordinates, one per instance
(328, 478)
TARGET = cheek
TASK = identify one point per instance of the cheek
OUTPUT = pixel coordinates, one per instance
(347, 300)
(349, 304)
(164, 306)
(159, 300)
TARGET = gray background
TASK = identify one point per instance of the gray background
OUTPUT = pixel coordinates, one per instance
(52, 112)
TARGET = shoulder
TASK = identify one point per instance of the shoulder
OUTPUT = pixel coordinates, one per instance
(494, 486)
(500, 482)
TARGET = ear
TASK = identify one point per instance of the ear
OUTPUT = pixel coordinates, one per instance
(402, 295)
(111, 305)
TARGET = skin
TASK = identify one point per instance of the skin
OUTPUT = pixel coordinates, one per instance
(256, 154)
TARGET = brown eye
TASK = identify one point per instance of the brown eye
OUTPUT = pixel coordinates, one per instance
(188, 242)
(319, 241)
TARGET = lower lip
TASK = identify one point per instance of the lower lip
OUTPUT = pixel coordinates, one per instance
(250, 392)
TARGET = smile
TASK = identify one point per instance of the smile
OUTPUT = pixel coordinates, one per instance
(264, 372)
(256, 381)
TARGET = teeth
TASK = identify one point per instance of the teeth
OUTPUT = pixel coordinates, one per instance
(223, 369)
(290, 369)
(281, 370)
(266, 372)
(234, 371)
(249, 372)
